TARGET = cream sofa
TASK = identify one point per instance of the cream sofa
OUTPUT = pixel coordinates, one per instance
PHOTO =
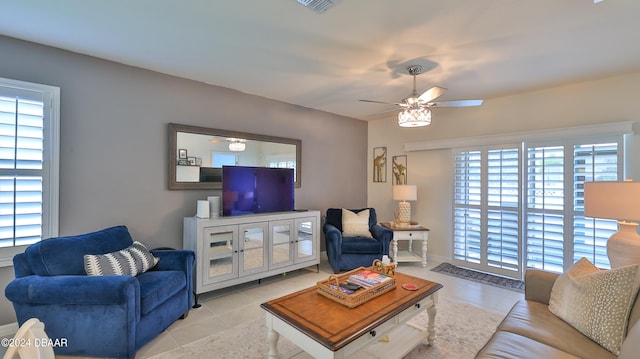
(530, 330)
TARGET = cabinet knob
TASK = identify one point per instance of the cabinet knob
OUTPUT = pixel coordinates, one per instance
(373, 333)
(418, 305)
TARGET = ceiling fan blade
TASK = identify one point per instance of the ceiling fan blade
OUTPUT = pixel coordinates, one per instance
(432, 93)
(382, 102)
(456, 103)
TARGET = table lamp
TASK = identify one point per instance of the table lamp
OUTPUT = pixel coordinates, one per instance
(404, 193)
(619, 201)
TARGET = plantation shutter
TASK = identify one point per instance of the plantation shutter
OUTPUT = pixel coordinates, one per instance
(592, 162)
(467, 201)
(503, 200)
(545, 208)
(21, 167)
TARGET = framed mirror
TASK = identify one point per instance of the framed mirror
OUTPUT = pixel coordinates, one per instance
(197, 154)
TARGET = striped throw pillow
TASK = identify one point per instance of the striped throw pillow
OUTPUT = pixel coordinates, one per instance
(132, 260)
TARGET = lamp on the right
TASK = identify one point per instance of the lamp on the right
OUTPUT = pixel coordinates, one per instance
(620, 201)
(404, 193)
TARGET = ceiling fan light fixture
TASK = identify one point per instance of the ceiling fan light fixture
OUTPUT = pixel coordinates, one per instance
(237, 144)
(414, 117)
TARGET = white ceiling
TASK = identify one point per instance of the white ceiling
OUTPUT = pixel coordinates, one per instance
(357, 49)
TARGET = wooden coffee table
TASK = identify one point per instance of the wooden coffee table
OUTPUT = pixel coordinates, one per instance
(327, 329)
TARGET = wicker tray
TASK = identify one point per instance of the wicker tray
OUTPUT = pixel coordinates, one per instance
(330, 287)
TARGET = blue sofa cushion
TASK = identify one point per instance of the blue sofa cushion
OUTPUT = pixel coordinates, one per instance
(361, 245)
(156, 287)
(65, 255)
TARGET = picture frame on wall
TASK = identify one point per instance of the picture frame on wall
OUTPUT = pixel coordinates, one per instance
(399, 169)
(379, 164)
(182, 153)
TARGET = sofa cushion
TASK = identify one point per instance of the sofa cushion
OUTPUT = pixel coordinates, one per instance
(355, 224)
(132, 260)
(64, 255)
(334, 216)
(511, 345)
(597, 303)
(362, 245)
(158, 286)
(534, 320)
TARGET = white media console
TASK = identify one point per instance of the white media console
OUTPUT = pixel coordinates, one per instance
(238, 249)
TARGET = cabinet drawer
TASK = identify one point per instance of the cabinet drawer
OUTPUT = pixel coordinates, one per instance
(408, 235)
(372, 336)
(415, 309)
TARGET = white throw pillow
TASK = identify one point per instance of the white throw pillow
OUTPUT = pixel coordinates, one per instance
(355, 224)
(597, 303)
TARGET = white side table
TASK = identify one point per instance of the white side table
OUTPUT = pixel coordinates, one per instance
(413, 233)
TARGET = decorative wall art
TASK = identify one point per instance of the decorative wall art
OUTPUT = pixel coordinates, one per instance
(399, 169)
(379, 164)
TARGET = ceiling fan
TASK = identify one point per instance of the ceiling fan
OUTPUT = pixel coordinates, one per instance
(415, 108)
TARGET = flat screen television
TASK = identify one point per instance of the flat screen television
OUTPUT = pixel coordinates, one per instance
(251, 190)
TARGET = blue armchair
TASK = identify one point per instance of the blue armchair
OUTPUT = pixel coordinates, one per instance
(99, 316)
(346, 253)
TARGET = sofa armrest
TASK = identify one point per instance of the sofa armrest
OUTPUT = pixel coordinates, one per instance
(383, 234)
(332, 234)
(74, 290)
(177, 260)
(538, 285)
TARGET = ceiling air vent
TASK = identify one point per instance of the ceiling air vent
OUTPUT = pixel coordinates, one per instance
(319, 6)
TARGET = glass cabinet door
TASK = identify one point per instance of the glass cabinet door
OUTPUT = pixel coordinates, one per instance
(253, 250)
(305, 232)
(281, 243)
(221, 253)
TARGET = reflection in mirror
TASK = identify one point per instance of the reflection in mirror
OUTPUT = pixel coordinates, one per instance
(197, 154)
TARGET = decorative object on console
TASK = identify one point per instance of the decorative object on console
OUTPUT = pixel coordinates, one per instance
(404, 193)
(617, 200)
(214, 206)
(202, 209)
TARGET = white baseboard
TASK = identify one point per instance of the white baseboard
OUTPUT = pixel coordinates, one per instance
(8, 330)
(434, 259)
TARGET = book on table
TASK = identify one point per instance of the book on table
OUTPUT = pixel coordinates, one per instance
(368, 278)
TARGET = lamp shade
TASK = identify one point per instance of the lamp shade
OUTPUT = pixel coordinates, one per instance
(404, 193)
(612, 200)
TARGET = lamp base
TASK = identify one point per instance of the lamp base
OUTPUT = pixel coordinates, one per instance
(404, 212)
(623, 247)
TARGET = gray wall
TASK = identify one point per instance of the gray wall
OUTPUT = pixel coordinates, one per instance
(113, 152)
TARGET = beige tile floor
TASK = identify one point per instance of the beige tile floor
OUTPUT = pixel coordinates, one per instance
(229, 307)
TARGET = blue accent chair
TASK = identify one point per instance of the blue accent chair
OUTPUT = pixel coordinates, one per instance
(346, 253)
(99, 316)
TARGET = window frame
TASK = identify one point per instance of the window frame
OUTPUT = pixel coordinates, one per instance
(51, 159)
